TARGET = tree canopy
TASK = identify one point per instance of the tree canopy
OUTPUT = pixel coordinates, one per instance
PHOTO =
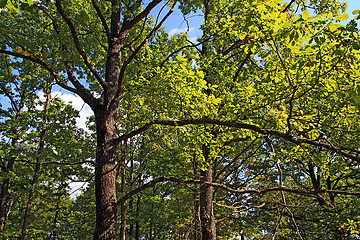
(251, 131)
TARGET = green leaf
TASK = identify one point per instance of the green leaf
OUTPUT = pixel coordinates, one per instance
(306, 14)
(342, 17)
(334, 26)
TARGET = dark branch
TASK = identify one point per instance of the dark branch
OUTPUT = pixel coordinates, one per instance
(288, 6)
(58, 163)
(238, 125)
(84, 93)
(77, 43)
(100, 15)
(137, 50)
(134, 54)
(140, 16)
(44, 65)
(152, 183)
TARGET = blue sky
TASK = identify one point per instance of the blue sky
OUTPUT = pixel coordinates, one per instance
(353, 5)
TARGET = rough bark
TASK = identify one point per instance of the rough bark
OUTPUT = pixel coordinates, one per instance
(4, 196)
(105, 179)
(106, 116)
(208, 224)
(123, 206)
(196, 224)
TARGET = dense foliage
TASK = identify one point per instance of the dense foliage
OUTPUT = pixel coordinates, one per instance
(251, 131)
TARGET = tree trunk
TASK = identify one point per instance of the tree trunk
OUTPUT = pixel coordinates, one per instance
(4, 196)
(105, 172)
(106, 116)
(196, 224)
(123, 206)
(137, 224)
(208, 225)
(105, 182)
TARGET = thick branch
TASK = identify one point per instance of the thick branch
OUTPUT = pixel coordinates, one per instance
(288, 6)
(77, 43)
(84, 93)
(152, 183)
(101, 16)
(238, 125)
(133, 55)
(257, 129)
(133, 133)
(140, 16)
(137, 50)
(44, 65)
(58, 163)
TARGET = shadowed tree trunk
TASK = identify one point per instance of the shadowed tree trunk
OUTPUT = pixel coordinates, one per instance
(123, 206)
(196, 226)
(208, 224)
(4, 195)
(137, 224)
(105, 177)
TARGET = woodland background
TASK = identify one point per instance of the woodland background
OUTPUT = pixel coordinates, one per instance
(250, 129)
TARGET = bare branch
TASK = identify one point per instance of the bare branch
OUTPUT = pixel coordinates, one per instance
(229, 215)
(284, 136)
(295, 224)
(242, 64)
(133, 133)
(236, 158)
(58, 163)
